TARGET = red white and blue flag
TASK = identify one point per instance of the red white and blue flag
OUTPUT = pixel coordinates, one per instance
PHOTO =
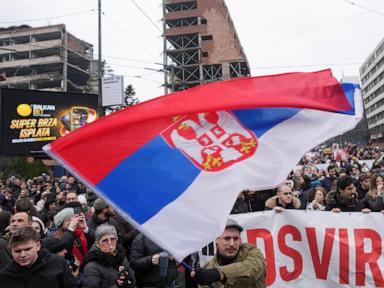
(173, 166)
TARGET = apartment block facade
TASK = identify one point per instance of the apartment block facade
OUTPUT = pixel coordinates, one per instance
(46, 58)
(372, 85)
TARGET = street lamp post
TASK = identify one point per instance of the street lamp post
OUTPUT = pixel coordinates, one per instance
(100, 65)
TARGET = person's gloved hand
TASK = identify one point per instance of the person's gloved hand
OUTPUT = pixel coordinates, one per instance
(206, 276)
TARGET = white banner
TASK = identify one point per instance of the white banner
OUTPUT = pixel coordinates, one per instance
(368, 162)
(318, 249)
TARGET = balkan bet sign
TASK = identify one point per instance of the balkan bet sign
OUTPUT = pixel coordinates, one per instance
(30, 118)
(318, 249)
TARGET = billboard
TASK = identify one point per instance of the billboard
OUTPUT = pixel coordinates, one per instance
(31, 118)
(113, 91)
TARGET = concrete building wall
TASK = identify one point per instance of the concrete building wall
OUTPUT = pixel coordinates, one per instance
(201, 43)
(44, 58)
(372, 81)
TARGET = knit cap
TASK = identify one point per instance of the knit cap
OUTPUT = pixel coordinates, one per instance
(100, 204)
(62, 215)
(54, 245)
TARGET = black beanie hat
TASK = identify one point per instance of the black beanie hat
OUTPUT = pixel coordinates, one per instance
(54, 245)
(49, 202)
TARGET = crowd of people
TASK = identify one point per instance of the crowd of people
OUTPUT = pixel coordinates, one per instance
(54, 232)
(321, 182)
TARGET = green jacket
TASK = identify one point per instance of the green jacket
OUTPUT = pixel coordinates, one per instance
(246, 271)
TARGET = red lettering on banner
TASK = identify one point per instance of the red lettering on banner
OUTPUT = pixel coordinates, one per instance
(321, 263)
(343, 256)
(269, 251)
(290, 252)
(371, 258)
(321, 266)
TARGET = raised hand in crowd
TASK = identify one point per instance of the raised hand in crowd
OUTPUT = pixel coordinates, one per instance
(82, 223)
(155, 259)
(74, 222)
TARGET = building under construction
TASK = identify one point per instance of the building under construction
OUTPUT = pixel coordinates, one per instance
(200, 44)
(46, 58)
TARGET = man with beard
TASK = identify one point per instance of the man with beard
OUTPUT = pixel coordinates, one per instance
(345, 198)
(364, 184)
(236, 264)
(326, 183)
(103, 215)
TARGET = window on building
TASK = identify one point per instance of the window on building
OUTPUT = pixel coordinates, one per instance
(206, 37)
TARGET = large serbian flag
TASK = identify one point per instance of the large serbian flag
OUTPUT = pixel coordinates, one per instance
(173, 166)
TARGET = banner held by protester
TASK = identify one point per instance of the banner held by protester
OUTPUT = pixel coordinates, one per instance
(319, 249)
(178, 162)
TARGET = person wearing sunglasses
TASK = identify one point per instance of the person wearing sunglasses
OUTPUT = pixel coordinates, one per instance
(283, 200)
(106, 264)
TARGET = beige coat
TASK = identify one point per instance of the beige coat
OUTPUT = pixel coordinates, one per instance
(272, 202)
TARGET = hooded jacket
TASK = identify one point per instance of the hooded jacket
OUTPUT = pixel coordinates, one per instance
(49, 271)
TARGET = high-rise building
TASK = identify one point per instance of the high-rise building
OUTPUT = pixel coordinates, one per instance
(200, 44)
(46, 58)
(372, 85)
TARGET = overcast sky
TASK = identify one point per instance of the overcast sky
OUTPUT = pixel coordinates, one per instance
(277, 35)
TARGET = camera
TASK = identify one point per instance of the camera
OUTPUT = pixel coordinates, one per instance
(124, 276)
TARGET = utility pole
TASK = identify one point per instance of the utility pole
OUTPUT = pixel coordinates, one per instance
(165, 60)
(100, 67)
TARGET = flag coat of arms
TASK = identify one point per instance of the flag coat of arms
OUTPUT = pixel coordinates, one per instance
(173, 166)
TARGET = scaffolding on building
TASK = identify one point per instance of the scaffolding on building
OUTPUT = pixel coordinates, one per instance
(200, 44)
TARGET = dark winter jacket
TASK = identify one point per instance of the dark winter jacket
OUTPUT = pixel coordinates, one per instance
(5, 255)
(326, 183)
(241, 206)
(146, 273)
(256, 200)
(304, 193)
(7, 204)
(361, 193)
(49, 271)
(101, 269)
(334, 200)
(374, 204)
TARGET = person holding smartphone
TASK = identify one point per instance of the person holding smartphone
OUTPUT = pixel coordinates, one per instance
(73, 230)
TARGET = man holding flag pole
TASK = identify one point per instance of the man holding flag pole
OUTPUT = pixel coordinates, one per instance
(235, 264)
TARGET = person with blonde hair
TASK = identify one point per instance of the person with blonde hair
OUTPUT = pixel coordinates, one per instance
(316, 200)
(373, 200)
